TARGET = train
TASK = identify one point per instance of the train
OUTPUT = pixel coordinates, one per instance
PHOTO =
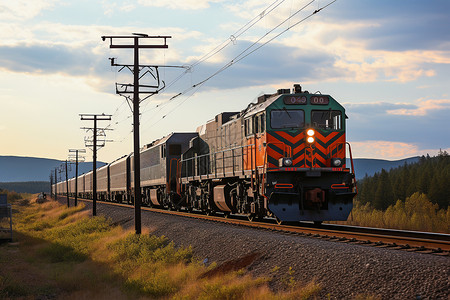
(284, 156)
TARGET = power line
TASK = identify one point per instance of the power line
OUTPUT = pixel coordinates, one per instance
(243, 54)
(239, 58)
(231, 39)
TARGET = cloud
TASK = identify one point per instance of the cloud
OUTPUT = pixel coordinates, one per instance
(384, 149)
(359, 60)
(24, 9)
(368, 45)
(423, 109)
(77, 50)
(184, 5)
(422, 123)
(45, 58)
(400, 26)
(389, 150)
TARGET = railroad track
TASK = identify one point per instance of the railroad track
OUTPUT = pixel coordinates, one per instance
(423, 242)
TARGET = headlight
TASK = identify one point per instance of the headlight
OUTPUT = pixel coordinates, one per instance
(336, 162)
(285, 162)
(288, 162)
(310, 139)
(310, 132)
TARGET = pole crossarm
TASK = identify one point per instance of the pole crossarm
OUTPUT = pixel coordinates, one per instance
(137, 36)
(92, 117)
(78, 150)
(130, 66)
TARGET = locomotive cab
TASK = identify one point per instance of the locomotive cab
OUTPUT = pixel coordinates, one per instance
(306, 174)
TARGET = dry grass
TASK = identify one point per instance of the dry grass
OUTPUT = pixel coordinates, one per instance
(64, 253)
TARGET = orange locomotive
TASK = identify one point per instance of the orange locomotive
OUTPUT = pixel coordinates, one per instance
(284, 156)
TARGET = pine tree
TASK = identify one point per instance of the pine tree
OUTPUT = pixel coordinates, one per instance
(383, 193)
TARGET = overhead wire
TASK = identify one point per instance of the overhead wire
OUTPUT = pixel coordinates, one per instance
(239, 58)
(245, 53)
(231, 39)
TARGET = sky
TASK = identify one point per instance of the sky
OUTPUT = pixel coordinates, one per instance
(387, 62)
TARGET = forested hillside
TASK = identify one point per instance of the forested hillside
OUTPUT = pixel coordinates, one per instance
(429, 176)
(413, 196)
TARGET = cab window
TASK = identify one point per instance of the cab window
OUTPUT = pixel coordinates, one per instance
(259, 124)
(248, 126)
(284, 118)
(327, 119)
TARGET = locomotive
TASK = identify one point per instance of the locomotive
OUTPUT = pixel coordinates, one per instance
(284, 156)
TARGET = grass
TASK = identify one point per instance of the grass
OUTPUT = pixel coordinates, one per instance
(61, 252)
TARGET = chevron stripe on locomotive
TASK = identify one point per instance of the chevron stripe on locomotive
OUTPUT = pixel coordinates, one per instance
(283, 157)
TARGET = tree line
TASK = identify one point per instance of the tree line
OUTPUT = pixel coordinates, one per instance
(429, 176)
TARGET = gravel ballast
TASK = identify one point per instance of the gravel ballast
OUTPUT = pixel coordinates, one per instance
(343, 270)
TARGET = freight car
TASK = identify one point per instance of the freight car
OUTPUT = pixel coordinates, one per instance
(283, 156)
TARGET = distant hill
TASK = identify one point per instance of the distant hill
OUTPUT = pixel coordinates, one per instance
(369, 166)
(31, 187)
(19, 169)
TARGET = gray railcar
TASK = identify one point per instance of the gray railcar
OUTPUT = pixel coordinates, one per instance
(160, 166)
(80, 183)
(88, 185)
(103, 183)
(119, 179)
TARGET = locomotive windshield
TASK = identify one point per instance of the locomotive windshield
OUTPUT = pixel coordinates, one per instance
(327, 119)
(284, 118)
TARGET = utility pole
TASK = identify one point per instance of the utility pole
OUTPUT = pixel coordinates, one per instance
(51, 184)
(60, 176)
(67, 185)
(149, 89)
(56, 185)
(95, 118)
(76, 169)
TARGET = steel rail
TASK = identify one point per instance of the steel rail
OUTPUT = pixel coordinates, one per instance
(426, 242)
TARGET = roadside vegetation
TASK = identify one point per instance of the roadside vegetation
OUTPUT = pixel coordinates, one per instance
(415, 213)
(411, 197)
(63, 253)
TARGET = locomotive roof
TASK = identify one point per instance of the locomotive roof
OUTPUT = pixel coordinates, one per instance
(254, 108)
(164, 140)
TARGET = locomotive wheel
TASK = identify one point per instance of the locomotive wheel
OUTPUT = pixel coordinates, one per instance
(251, 217)
(226, 215)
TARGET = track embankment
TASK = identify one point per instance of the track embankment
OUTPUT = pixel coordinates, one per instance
(344, 269)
